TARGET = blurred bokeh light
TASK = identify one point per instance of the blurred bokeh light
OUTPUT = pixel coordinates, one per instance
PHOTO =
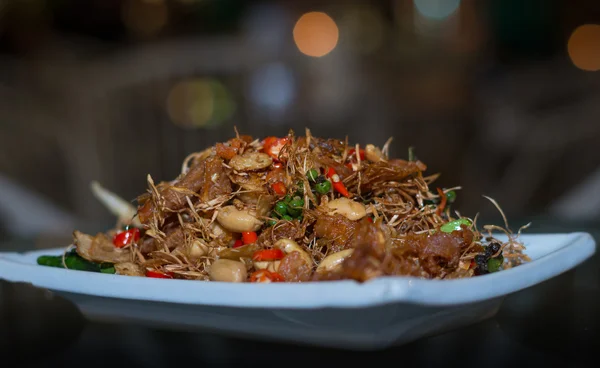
(199, 103)
(272, 87)
(316, 34)
(584, 47)
(436, 9)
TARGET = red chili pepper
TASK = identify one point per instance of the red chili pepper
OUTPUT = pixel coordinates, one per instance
(273, 146)
(336, 182)
(279, 188)
(268, 255)
(277, 165)
(126, 237)
(341, 188)
(238, 243)
(249, 237)
(361, 152)
(266, 276)
(443, 202)
(159, 275)
(369, 219)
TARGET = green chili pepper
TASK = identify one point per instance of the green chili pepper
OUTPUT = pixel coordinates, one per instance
(281, 208)
(110, 270)
(300, 190)
(295, 207)
(312, 175)
(451, 196)
(75, 262)
(495, 264)
(455, 225)
(324, 187)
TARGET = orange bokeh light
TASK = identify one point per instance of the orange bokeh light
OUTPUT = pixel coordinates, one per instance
(316, 34)
(584, 47)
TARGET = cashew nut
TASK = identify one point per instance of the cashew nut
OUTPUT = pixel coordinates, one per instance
(250, 161)
(334, 261)
(348, 208)
(289, 246)
(228, 271)
(237, 221)
(197, 249)
(373, 153)
(215, 228)
(272, 266)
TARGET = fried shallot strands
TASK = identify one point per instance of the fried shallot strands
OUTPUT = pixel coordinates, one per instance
(397, 233)
(293, 230)
(174, 237)
(209, 178)
(174, 199)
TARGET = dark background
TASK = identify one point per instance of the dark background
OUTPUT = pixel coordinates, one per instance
(500, 96)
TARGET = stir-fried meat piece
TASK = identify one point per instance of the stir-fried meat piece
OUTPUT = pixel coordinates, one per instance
(385, 171)
(369, 251)
(175, 237)
(328, 146)
(216, 182)
(232, 147)
(174, 199)
(336, 229)
(99, 248)
(226, 152)
(284, 229)
(436, 251)
(147, 244)
(209, 177)
(293, 268)
(371, 257)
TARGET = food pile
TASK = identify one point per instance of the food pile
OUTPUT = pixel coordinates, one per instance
(293, 209)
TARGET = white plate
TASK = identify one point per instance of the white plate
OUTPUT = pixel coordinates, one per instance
(391, 309)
